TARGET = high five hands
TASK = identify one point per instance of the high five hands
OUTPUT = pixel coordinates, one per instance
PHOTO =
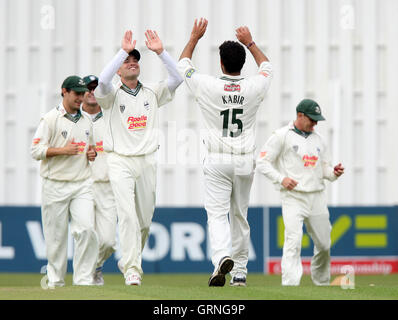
(152, 41)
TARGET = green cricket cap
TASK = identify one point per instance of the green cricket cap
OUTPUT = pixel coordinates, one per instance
(136, 54)
(91, 78)
(311, 109)
(74, 83)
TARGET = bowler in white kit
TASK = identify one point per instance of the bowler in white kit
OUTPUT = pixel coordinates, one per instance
(229, 105)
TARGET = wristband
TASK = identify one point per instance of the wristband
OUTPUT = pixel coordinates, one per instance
(250, 44)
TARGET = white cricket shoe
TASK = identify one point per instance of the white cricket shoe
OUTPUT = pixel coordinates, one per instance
(133, 280)
(238, 280)
(98, 278)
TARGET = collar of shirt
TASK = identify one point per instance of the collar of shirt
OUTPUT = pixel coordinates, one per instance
(133, 92)
(300, 132)
(231, 78)
(74, 118)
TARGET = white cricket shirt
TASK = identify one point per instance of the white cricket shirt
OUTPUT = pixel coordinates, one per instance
(56, 128)
(99, 166)
(289, 154)
(131, 117)
(229, 105)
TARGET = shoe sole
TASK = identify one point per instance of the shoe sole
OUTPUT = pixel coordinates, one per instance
(235, 284)
(218, 280)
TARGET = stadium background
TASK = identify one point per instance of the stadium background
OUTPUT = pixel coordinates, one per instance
(341, 53)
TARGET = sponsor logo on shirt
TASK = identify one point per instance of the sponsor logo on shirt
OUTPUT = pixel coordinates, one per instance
(99, 146)
(36, 141)
(263, 154)
(137, 123)
(80, 146)
(232, 87)
(264, 74)
(189, 73)
(310, 161)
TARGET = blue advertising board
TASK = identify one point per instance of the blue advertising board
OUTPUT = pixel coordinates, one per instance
(177, 242)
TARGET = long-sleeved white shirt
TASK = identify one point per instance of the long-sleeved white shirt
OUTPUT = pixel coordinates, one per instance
(304, 159)
(228, 105)
(131, 116)
(55, 130)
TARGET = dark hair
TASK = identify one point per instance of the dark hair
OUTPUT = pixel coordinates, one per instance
(233, 56)
(67, 90)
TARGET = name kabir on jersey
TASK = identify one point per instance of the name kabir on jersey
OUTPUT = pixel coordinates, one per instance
(232, 99)
(137, 123)
(310, 161)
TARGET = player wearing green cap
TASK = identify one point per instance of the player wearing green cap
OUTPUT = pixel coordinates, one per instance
(104, 199)
(63, 143)
(296, 159)
(131, 113)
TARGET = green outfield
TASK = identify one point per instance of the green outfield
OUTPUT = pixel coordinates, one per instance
(21, 286)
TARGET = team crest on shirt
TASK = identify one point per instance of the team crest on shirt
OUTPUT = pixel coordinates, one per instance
(122, 108)
(87, 133)
(295, 148)
(64, 134)
(146, 105)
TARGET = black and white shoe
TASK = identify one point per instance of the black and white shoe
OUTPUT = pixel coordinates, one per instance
(217, 279)
(238, 280)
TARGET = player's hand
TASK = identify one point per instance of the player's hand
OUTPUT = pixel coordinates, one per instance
(289, 184)
(338, 170)
(199, 29)
(153, 41)
(243, 35)
(71, 148)
(128, 44)
(91, 153)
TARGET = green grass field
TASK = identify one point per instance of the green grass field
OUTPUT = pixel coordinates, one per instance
(22, 286)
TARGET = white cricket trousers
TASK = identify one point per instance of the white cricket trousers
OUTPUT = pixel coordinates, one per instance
(62, 201)
(105, 220)
(133, 181)
(227, 190)
(311, 209)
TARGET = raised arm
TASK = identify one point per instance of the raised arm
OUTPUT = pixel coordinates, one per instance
(197, 32)
(244, 36)
(105, 78)
(154, 44)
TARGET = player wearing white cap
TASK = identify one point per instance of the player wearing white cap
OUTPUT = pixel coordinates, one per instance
(296, 159)
(131, 117)
(104, 200)
(229, 106)
(63, 144)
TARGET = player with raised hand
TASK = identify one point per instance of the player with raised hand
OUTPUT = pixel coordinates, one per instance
(296, 159)
(131, 140)
(229, 106)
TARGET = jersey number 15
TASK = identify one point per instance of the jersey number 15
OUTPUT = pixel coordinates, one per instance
(238, 122)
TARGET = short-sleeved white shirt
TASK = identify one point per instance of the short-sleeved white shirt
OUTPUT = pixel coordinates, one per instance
(229, 105)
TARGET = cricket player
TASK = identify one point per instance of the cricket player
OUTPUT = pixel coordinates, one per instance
(296, 159)
(63, 144)
(104, 200)
(229, 106)
(131, 140)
